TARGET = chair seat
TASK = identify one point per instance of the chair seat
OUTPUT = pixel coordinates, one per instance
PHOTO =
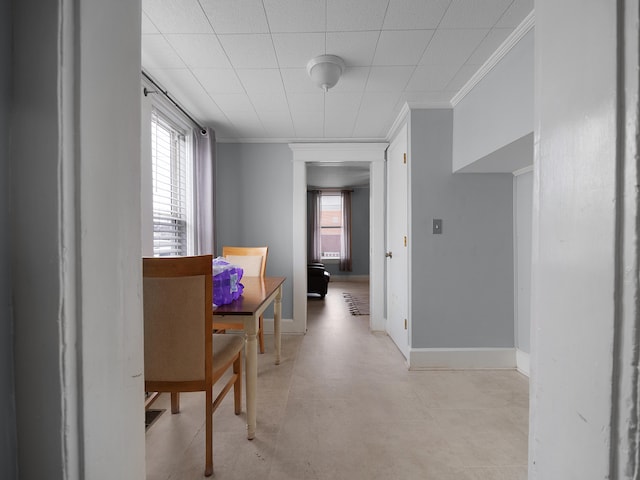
(225, 347)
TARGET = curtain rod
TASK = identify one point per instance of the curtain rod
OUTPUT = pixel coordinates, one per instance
(146, 92)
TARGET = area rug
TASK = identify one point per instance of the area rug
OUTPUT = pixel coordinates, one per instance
(358, 305)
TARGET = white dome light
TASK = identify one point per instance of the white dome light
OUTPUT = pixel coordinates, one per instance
(325, 70)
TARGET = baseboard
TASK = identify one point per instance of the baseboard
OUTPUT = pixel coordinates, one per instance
(349, 278)
(461, 358)
(522, 362)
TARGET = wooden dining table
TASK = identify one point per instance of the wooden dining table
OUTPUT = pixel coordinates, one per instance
(258, 294)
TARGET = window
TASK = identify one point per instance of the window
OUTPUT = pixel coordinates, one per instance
(330, 225)
(171, 183)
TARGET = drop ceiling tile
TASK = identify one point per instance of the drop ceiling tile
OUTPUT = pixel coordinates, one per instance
(489, 45)
(296, 16)
(401, 47)
(474, 14)
(279, 130)
(237, 102)
(452, 47)
(388, 79)
(294, 50)
(309, 126)
(428, 78)
(462, 77)
(249, 51)
(269, 102)
(296, 80)
(277, 124)
(514, 15)
(177, 16)
(341, 111)
(218, 80)
(183, 87)
(355, 48)
(158, 53)
(414, 14)
(147, 25)
(243, 119)
(301, 103)
(261, 80)
(237, 16)
(355, 15)
(353, 79)
(199, 50)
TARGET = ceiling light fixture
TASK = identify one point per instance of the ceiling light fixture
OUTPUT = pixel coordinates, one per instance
(325, 70)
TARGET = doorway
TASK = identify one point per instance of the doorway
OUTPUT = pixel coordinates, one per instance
(372, 154)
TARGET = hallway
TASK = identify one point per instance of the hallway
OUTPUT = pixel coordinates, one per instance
(342, 405)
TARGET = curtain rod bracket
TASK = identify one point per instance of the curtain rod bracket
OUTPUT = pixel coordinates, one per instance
(146, 91)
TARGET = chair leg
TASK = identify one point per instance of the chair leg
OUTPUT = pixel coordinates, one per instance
(260, 334)
(237, 386)
(208, 468)
(175, 402)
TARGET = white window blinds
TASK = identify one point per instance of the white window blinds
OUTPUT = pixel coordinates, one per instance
(169, 170)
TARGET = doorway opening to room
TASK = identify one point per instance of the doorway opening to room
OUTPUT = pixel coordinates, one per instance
(365, 157)
(338, 234)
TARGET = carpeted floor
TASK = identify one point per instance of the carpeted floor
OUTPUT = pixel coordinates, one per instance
(358, 305)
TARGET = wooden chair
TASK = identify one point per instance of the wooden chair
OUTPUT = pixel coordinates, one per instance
(181, 354)
(253, 261)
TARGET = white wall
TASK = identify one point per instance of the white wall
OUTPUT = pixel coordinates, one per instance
(462, 280)
(585, 273)
(253, 205)
(8, 462)
(522, 200)
(76, 239)
(499, 109)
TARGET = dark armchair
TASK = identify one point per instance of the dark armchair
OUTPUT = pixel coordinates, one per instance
(317, 279)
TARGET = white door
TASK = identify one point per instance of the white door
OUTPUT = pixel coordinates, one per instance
(397, 243)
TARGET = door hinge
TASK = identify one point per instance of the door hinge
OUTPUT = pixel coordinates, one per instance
(405, 240)
(404, 158)
(405, 323)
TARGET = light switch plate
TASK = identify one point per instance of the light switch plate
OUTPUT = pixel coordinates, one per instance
(437, 226)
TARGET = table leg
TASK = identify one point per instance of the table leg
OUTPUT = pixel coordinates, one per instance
(251, 377)
(277, 314)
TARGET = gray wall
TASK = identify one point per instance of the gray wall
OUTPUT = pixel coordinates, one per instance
(462, 280)
(35, 229)
(8, 462)
(360, 235)
(499, 109)
(523, 197)
(254, 188)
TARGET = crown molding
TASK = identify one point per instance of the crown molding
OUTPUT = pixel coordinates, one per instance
(522, 171)
(294, 140)
(520, 31)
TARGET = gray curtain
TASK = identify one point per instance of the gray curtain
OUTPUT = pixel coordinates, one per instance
(204, 166)
(345, 243)
(314, 254)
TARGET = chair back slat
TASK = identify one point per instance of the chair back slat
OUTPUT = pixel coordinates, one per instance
(177, 318)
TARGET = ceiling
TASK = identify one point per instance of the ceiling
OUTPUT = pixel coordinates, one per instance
(239, 66)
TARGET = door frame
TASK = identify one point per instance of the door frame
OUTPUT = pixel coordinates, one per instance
(338, 153)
